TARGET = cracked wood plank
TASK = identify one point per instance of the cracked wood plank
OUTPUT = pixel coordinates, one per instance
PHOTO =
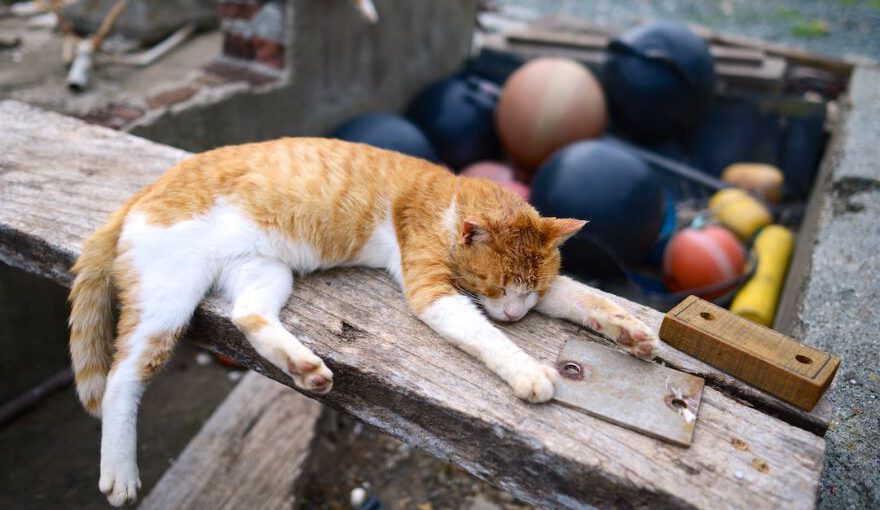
(59, 178)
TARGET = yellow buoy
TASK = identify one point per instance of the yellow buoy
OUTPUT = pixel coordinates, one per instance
(740, 212)
(758, 298)
(765, 180)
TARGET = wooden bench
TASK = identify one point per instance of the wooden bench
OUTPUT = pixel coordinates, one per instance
(60, 178)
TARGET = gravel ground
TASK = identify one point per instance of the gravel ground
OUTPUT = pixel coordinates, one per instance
(831, 27)
(349, 454)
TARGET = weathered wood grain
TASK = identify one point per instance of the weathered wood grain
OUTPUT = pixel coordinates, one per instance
(249, 454)
(60, 178)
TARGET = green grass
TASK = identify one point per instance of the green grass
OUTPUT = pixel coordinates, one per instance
(875, 4)
(810, 29)
(788, 14)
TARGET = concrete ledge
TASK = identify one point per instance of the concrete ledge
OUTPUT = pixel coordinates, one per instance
(833, 293)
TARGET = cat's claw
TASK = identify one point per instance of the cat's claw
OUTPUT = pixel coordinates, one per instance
(534, 383)
(120, 483)
(310, 373)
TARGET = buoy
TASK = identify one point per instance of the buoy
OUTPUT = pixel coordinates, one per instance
(740, 212)
(617, 192)
(758, 298)
(547, 104)
(659, 78)
(701, 257)
(764, 180)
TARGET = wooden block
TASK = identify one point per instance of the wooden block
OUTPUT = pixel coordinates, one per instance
(766, 359)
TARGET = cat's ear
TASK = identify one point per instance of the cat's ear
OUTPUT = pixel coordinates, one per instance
(558, 230)
(473, 232)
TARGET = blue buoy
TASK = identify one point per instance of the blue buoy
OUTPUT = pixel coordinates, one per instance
(387, 131)
(659, 78)
(616, 191)
(458, 116)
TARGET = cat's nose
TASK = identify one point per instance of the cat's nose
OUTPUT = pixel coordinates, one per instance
(512, 316)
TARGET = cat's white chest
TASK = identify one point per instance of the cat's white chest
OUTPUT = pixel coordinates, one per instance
(382, 250)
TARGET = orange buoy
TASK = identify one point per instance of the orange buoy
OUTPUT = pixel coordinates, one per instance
(765, 180)
(700, 257)
(546, 104)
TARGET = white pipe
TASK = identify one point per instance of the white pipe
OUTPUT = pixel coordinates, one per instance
(81, 69)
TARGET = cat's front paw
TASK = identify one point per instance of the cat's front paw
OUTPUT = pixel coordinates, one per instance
(534, 382)
(630, 333)
(119, 482)
(310, 373)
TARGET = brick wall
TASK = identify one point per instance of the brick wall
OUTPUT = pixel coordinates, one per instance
(254, 30)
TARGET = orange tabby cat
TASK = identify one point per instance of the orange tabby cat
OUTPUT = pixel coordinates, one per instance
(240, 219)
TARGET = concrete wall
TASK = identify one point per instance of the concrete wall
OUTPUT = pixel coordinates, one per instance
(337, 65)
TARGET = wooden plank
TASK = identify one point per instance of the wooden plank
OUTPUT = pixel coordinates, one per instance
(839, 67)
(740, 56)
(59, 178)
(735, 67)
(249, 454)
(842, 68)
(555, 39)
(796, 373)
(597, 42)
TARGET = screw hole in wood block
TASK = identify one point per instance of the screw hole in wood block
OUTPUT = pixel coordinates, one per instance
(571, 370)
(678, 403)
(708, 316)
(803, 359)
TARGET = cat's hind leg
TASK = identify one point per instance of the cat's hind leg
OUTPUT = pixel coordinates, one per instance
(156, 303)
(258, 287)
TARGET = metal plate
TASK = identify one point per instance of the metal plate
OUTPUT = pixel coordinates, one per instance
(617, 387)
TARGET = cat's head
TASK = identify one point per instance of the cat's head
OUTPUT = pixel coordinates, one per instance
(506, 264)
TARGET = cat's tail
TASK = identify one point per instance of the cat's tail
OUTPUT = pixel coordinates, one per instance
(91, 314)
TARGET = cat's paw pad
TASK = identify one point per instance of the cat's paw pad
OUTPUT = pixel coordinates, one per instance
(632, 335)
(534, 383)
(120, 483)
(310, 373)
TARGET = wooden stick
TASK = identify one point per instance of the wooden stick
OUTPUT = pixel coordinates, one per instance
(107, 24)
(35, 395)
(145, 58)
(81, 69)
